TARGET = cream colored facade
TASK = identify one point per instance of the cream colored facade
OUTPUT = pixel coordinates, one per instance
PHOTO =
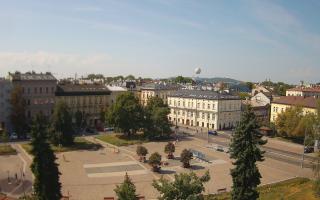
(156, 90)
(91, 100)
(146, 94)
(276, 109)
(202, 110)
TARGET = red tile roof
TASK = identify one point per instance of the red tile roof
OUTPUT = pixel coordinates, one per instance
(309, 102)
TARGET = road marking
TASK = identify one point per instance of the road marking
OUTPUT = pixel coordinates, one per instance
(110, 164)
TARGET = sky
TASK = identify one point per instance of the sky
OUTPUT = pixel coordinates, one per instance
(249, 40)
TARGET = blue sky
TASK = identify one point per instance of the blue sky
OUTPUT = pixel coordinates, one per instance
(243, 39)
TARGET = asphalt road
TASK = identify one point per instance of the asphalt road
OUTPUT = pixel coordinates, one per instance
(223, 140)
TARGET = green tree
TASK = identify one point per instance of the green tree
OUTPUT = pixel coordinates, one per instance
(127, 190)
(18, 110)
(80, 120)
(155, 161)
(156, 122)
(244, 149)
(62, 130)
(182, 80)
(186, 186)
(45, 170)
(250, 85)
(287, 121)
(126, 113)
(185, 158)
(4, 136)
(130, 77)
(142, 152)
(170, 149)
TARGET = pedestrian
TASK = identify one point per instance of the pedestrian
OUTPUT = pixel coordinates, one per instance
(16, 176)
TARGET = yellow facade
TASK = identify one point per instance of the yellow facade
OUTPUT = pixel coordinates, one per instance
(146, 94)
(277, 108)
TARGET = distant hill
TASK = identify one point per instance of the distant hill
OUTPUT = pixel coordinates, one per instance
(219, 79)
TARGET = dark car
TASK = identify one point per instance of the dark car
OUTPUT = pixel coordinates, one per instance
(308, 149)
(212, 132)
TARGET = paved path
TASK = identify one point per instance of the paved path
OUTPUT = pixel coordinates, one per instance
(25, 185)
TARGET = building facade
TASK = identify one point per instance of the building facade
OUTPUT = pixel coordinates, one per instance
(200, 108)
(260, 104)
(89, 99)
(38, 90)
(5, 110)
(308, 104)
(304, 92)
(156, 90)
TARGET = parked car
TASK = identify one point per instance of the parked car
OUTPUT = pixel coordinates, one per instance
(89, 130)
(308, 149)
(212, 132)
(13, 136)
(219, 148)
(108, 129)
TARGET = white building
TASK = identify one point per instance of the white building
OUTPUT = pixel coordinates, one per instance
(304, 92)
(5, 92)
(204, 109)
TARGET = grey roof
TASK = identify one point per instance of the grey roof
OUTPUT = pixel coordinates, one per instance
(202, 94)
(31, 76)
(159, 86)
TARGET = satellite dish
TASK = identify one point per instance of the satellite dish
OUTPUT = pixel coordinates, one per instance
(197, 70)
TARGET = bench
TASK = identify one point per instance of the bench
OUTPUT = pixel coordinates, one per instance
(222, 190)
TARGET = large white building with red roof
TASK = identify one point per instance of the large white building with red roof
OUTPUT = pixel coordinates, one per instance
(304, 92)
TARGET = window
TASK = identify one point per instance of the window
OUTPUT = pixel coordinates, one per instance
(47, 90)
(202, 115)
(208, 106)
(40, 90)
(213, 106)
(35, 90)
(203, 105)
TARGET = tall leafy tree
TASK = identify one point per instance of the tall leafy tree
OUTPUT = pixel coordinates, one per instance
(186, 186)
(18, 111)
(156, 118)
(245, 150)
(45, 169)
(126, 113)
(127, 190)
(62, 130)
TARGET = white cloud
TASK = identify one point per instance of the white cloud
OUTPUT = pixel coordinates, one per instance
(61, 63)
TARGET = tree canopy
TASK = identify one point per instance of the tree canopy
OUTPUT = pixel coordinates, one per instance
(245, 150)
(62, 130)
(126, 113)
(18, 111)
(45, 170)
(186, 186)
(156, 122)
(127, 190)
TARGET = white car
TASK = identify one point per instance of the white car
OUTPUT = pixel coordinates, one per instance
(13, 136)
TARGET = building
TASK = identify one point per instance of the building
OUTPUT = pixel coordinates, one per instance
(203, 108)
(90, 99)
(5, 92)
(304, 92)
(308, 104)
(156, 90)
(38, 90)
(260, 104)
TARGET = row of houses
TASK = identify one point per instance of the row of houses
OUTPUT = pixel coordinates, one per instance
(188, 107)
